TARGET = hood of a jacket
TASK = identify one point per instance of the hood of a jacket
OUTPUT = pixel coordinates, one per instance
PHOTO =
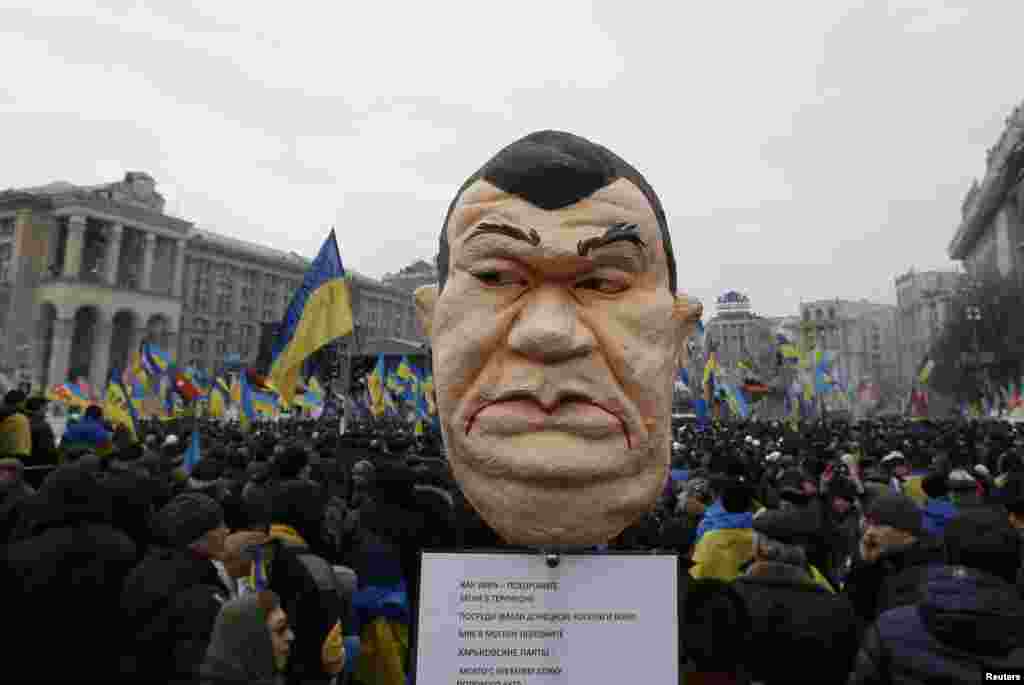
(240, 647)
(972, 610)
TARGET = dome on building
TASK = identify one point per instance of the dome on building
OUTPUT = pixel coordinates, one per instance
(733, 297)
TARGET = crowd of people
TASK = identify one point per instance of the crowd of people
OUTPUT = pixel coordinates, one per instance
(869, 552)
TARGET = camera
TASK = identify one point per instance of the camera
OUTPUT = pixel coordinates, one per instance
(552, 560)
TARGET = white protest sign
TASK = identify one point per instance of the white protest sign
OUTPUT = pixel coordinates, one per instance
(510, 619)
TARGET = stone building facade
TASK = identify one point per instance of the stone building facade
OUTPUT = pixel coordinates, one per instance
(989, 240)
(924, 300)
(417, 274)
(862, 334)
(737, 334)
(87, 273)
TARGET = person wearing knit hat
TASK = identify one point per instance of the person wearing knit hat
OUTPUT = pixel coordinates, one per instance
(170, 601)
(895, 556)
(969, 620)
(194, 521)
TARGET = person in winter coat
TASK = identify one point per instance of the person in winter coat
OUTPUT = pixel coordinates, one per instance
(305, 582)
(938, 509)
(44, 442)
(15, 429)
(725, 535)
(895, 555)
(14, 492)
(171, 600)
(969, 622)
(90, 433)
(73, 562)
(250, 644)
(791, 612)
(715, 635)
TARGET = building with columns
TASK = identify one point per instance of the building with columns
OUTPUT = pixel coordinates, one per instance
(925, 301)
(738, 334)
(88, 273)
(862, 334)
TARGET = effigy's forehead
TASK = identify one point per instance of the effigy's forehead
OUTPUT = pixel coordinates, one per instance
(621, 201)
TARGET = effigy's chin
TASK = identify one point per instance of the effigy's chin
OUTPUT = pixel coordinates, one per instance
(549, 489)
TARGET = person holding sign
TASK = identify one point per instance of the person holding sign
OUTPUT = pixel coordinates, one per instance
(556, 329)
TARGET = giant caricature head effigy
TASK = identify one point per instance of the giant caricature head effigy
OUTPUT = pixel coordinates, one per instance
(556, 332)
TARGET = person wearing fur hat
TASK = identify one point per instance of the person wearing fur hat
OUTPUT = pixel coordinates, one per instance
(171, 599)
(969, 620)
(894, 557)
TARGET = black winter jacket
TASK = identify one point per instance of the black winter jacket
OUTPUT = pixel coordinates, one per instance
(895, 579)
(968, 623)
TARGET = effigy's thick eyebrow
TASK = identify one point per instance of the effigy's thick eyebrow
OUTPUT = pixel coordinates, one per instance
(621, 232)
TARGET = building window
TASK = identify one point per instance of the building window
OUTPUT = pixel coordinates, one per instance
(268, 315)
(831, 312)
(197, 346)
(7, 227)
(5, 262)
(222, 348)
(807, 315)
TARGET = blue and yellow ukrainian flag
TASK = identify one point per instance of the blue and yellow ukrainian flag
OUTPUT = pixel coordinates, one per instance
(264, 402)
(320, 312)
(375, 384)
(154, 360)
(246, 412)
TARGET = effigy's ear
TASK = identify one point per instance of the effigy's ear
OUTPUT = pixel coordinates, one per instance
(425, 299)
(686, 312)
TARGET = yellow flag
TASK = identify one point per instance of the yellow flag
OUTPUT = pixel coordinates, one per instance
(216, 403)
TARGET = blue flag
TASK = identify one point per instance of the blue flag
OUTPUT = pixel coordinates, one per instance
(193, 455)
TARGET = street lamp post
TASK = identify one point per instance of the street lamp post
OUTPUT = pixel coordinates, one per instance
(974, 316)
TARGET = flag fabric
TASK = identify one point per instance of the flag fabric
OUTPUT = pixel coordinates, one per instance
(684, 377)
(184, 385)
(264, 403)
(246, 413)
(115, 408)
(236, 391)
(154, 360)
(375, 384)
(84, 390)
(193, 454)
(405, 371)
(926, 371)
(709, 369)
(217, 402)
(320, 312)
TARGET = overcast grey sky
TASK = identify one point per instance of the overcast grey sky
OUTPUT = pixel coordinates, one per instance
(801, 149)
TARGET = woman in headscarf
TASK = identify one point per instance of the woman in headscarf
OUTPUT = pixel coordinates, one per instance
(251, 642)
